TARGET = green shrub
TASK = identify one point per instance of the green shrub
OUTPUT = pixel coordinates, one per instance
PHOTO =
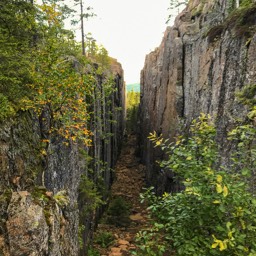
(6, 109)
(93, 252)
(104, 239)
(118, 212)
(216, 213)
(132, 107)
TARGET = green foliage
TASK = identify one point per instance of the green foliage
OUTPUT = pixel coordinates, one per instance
(60, 87)
(97, 53)
(175, 5)
(61, 198)
(5, 198)
(234, 4)
(118, 212)
(43, 73)
(39, 195)
(6, 108)
(81, 230)
(93, 252)
(41, 68)
(89, 196)
(132, 107)
(247, 95)
(216, 213)
(133, 99)
(104, 239)
(240, 22)
(151, 242)
(17, 30)
(242, 19)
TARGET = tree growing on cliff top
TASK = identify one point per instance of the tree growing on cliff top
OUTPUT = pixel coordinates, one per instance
(42, 68)
(175, 7)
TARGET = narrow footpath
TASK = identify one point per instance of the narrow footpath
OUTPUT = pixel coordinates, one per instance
(128, 184)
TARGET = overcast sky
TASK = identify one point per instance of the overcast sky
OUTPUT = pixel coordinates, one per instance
(128, 29)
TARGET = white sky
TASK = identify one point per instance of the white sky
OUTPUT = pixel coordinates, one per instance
(128, 29)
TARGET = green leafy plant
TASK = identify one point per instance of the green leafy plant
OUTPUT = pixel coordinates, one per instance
(104, 239)
(215, 214)
(132, 107)
(240, 22)
(118, 212)
(93, 252)
(6, 108)
(81, 229)
(61, 198)
(89, 196)
(39, 195)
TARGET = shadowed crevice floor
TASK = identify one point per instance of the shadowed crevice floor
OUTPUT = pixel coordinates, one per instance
(128, 184)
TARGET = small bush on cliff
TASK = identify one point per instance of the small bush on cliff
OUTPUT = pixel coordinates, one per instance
(216, 213)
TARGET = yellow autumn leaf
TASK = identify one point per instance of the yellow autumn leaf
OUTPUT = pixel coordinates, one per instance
(165, 194)
(177, 142)
(43, 152)
(242, 224)
(219, 178)
(223, 245)
(158, 143)
(219, 188)
(225, 191)
(216, 202)
(214, 245)
(230, 235)
(189, 158)
(188, 190)
(209, 171)
(246, 249)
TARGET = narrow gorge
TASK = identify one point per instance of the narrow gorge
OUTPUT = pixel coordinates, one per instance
(43, 195)
(54, 188)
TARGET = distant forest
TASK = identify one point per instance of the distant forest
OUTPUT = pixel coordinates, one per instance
(133, 87)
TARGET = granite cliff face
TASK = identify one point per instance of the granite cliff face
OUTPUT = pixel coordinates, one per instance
(39, 203)
(204, 59)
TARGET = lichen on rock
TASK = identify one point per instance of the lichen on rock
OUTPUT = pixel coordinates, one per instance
(26, 226)
(204, 59)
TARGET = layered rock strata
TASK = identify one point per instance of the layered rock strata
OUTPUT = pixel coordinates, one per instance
(39, 206)
(204, 59)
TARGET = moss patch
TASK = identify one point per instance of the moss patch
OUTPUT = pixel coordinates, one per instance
(241, 21)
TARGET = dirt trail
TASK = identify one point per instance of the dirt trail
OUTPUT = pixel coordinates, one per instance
(130, 178)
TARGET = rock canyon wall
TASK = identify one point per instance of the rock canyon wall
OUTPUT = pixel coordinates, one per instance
(39, 186)
(204, 59)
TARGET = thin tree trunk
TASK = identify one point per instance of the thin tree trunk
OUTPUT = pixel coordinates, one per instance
(82, 26)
